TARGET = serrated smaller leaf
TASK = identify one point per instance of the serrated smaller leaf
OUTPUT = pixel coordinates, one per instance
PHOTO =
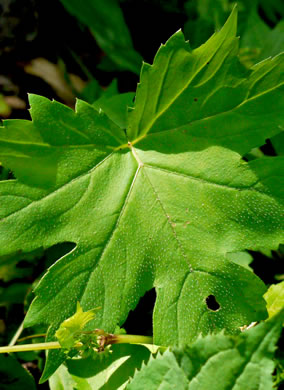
(216, 362)
(275, 298)
(162, 372)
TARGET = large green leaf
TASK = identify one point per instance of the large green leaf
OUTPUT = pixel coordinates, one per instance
(159, 207)
(108, 26)
(216, 362)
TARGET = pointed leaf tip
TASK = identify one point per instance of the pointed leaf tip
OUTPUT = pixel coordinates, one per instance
(232, 21)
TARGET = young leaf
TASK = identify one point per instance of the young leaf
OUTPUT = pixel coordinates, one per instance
(162, 372)
(67, 333)
(216, 362)
(160, 207)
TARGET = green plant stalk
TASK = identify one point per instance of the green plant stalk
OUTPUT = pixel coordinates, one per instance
(30, 347)
(112, 339)
(32, 336)
(17, 335)
(130, 339)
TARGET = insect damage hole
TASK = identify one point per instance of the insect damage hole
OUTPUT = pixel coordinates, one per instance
(211, 303)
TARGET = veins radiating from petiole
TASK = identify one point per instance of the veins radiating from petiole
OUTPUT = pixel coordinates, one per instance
(135, 155)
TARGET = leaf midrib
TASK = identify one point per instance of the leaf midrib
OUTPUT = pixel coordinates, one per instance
(169, 104)
(194, 121)
(199, 179)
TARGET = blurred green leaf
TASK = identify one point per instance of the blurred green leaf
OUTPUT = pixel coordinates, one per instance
(13, 376)
(62, 380)
(275, 298)
(273, 42)
(18, 265)
(105, 19)
(112, 371)
(278, 143)
(14, 293)
(273, 9)
(254, 30)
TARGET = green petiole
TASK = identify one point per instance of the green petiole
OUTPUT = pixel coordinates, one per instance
(106, 339)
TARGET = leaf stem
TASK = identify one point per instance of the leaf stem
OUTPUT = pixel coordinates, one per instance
(30, 347)
(130, 339)
(32, 336)
(107, 339)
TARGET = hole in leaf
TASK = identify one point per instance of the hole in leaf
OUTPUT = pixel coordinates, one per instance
(211, 303)
(139, 321)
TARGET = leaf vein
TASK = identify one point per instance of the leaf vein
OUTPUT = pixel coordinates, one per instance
(58, 189)
(166, 170)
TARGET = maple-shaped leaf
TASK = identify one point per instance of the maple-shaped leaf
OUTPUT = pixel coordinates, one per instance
(158, 205)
